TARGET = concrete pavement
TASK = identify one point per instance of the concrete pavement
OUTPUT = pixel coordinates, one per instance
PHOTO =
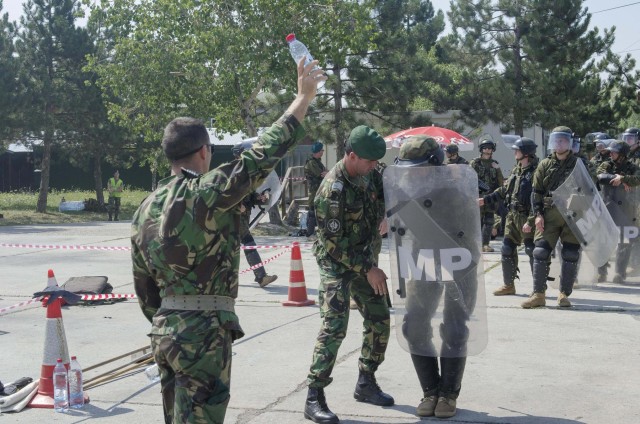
(580, 365)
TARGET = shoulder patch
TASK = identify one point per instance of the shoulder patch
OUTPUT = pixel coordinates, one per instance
(333, 225)
(337, 186)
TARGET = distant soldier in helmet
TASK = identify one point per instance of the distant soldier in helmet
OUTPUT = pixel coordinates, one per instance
(252, 255)
(616, 171)
(601, 142)
(453, 156)
(551, 172)
(631, 136)
(489, 173)
(516, 195)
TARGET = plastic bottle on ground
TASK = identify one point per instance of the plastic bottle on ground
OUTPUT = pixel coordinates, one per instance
(152, 373)
(60, 388)
(76, 394)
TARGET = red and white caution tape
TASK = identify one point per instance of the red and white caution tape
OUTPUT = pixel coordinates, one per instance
(271, 259)
(107, 296)
(124, 248)
(19, 305)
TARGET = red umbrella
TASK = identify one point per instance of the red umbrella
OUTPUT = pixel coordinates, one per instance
(443, 136)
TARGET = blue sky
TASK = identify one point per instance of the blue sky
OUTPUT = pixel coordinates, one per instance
(624, 14)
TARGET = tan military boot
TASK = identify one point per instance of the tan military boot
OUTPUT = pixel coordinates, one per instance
(487, 248)
(427, 406)
(267, 279)
(535, 301)
(446, 407)
(563, 300)
(505, 290)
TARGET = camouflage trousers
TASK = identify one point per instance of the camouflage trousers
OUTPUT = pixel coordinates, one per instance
(195, 368)
(555, 228)
(334, 295)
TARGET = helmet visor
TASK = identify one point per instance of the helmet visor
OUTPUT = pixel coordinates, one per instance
(560, 141)
(630, 138)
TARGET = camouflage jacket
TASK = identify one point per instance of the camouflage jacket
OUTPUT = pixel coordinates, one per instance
(629, 170)
(313, 170)
(634, 156)
(184, 236)
(517, 189)
(549, 175)
(459, 161)
(348, 211)
(488, 171)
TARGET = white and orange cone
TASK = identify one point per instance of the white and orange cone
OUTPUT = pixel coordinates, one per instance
(297, 287)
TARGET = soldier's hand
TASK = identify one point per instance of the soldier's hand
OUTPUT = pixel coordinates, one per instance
(480, 201)
(382, 228)
(627, 187)
(539, 223)
(616, 181)
(378, 280)
(308, 79)
(526, 228)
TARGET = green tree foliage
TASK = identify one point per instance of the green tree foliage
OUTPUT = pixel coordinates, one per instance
(8, 78)
(51, 51)
(524, 62)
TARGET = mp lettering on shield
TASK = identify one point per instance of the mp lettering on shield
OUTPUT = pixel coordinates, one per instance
(590, 217)
(450, 260)
(628, 234)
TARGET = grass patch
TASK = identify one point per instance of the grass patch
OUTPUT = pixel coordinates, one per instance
(19, 208)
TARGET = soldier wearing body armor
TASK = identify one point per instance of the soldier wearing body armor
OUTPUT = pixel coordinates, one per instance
(438, 352)
(490, 174)
(453, 155)
(631, 136)
(246, 238)
(314, 172)
(516, 195)
(550, 225)
(617, 176)
(348, 213)
(601, 141)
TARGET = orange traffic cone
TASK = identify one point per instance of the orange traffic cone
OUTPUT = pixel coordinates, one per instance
(297, 288)
(51, 282)
(55, 346)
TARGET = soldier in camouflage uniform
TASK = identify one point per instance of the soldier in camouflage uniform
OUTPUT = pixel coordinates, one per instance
(550, 225)
(452, 152)
(246, 238)
(186, 252)
(602, 154)
(614, 172)
(488, 172)
(631, 136)
(348, 212)
(314, 172)
(516, 195)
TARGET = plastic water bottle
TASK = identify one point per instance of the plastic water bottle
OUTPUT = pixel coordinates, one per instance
(76, 395)
(60, 388)
(298, 50)
(152, 373)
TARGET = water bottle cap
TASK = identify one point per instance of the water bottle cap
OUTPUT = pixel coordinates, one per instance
(290, 37)
(73, 358)
(59, 360)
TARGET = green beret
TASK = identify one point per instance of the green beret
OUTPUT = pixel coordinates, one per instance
(418, 149)
(367, 143)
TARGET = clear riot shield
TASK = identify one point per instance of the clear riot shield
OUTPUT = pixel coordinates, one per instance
(585, 213)
(436, 260)
(272, 189)
(624, 207)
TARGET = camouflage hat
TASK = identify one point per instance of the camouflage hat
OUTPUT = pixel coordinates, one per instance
(366, 143)
(317, 147)
(562, 129)
(418, 149)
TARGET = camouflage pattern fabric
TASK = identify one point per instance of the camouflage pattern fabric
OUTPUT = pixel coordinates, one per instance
(627, 169)
(184, 241)
(313, 170)
(458, 161)
(489, 172)
(348, 210)
(634, 156)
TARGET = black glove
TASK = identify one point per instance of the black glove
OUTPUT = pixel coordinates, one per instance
(605, 178)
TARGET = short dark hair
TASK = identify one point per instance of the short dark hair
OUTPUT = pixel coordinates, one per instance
(182, 137)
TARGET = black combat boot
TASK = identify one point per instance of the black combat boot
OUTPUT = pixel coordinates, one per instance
(316, 409)
(367, 390)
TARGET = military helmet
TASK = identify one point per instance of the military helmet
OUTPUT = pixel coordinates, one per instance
(452, 149)
(631, 135)
(487, 142)
(601, 136)
(560, 135)
(237, 149)
(619, 147)
(420, 150)
(525, 145)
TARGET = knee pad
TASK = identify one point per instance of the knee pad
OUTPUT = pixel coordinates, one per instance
(542, 250)
(570, 252)
(509, 248)
(528, 247)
